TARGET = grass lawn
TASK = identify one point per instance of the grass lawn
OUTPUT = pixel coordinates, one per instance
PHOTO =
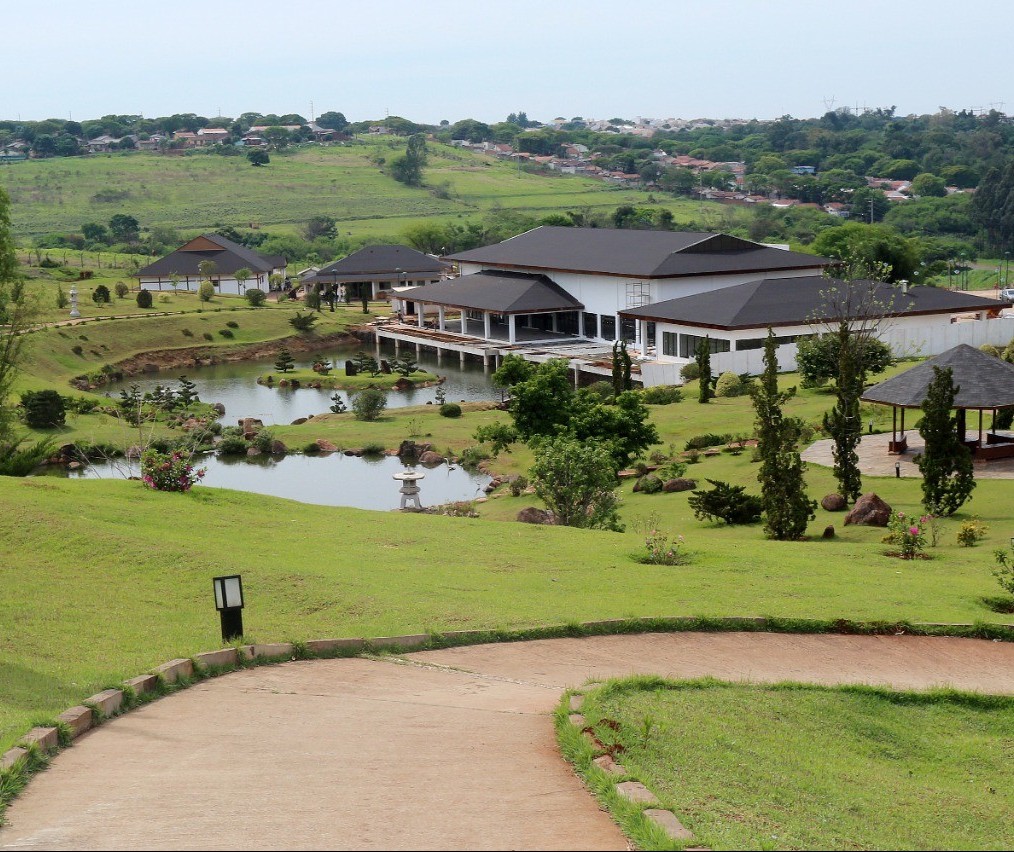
(801, 767)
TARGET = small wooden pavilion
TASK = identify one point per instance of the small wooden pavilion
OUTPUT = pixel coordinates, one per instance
(984, 383)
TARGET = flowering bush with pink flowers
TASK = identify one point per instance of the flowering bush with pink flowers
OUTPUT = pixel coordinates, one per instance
(908, 533)
(169, 471)
(660, 551)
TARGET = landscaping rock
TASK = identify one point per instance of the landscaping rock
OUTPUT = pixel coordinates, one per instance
(12, 756)
(833, 503)
(278, 448)
(430, 457)
(666, 820)
(253, 451)
(679, 484)
(869, 511)
(325, 446)
(134, 452)
(829, 531)
(250, 426)
(535, 515)
(219, 409)
(299, 421)
(635, 791)
(48, 739)
(404, 384)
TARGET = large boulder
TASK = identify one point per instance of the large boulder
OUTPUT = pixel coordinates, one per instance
(535, 515)
(869, 511)
(278, 448)
(430, 457)
(325, 446)
(219, 409)
(679, 484)
(833, 503)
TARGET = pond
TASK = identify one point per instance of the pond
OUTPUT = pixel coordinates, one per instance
(235, 386)
(330, 480)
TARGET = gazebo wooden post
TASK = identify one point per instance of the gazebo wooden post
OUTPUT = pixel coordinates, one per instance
(894, 425)
(903, 424)
(980, 427)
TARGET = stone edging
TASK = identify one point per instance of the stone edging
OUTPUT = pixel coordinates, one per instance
(633, 791)
(40, 742)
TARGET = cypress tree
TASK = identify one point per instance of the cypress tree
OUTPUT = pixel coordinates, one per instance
(946, 464)
(703, 358)
(843, 422)
(284, 361)
(617, 370)
(787, 508)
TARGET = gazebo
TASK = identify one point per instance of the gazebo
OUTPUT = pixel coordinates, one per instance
(984, 383)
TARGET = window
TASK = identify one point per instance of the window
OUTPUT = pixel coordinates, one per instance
(567, 322)
(608, 327)
(758, 342)
(690, 342)
(669, 343)
(628, 329)
(591, 325)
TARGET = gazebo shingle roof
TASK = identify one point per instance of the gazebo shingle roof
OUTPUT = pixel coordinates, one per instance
(983, 381)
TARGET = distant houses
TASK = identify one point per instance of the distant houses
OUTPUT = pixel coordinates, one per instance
(182, 268)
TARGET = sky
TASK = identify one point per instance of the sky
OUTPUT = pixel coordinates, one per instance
(430, 60)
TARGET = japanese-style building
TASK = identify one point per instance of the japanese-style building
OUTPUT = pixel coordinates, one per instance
(182, 268)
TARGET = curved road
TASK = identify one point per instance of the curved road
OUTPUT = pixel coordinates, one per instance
(449, 749)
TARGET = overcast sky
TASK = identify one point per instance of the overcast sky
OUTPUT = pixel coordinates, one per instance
(449, 59)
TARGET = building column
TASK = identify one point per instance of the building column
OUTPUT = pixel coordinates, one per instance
(442, 314)
(486, 330)
(555, 319)
(642, 337)
(464, 321)
(512, 336)
(420, 314)
(598, 326)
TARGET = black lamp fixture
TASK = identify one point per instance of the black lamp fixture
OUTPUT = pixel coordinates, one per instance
(897, 470)
(229, 603)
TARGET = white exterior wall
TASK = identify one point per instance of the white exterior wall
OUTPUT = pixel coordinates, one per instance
(608, 294)
(921, 336)
(228, 286)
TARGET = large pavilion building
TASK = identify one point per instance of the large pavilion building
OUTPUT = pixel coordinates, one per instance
(380, 271)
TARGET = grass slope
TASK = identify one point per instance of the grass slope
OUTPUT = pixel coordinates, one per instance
(199, 191)
(799, 767)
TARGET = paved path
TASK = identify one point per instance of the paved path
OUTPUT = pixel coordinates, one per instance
(445, 749)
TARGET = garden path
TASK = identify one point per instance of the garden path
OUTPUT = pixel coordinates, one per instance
(450, 749)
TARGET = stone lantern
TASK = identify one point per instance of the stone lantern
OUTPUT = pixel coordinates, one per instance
(409, 489)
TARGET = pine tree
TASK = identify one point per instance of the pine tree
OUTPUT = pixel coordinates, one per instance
(946, 464)
(617, 370)
(284, 362)
(703, 358)
(787, 508)
(625, 366)
(843, 422)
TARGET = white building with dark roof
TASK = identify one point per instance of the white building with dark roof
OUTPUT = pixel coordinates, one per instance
(380, 271)
(182, 267)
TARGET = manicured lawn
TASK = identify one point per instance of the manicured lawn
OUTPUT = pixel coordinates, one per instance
(799, 767)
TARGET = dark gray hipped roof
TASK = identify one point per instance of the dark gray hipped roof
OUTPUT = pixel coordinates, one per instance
(499, 292)
(800, 301)
(383, 260)
(983, 381)
(227, 255)
(636, 254)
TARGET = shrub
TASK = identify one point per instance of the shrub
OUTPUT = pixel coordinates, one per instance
(662, 395)
(374, 449)
(255, 297)
(303, 322)
(725, 502)
(78, 349)
(187, 332)
(519, 485)
(263, 440)
(603, 390)
(729, 384)
(206, 291)
(699, 442)
(208, 335)
(972, 532)
(100, 295)
(312, 448)
(168, 472)
(472, 457)
(122, 290)
(226, 332)
(61, 297)
(692, 457)
(673, 469)
(232, 324)
(144, 299)
(450, 409)
(690, 372)
(368, 404)
(44, 409)
(649, 484)
(907, 533)
(660, 551)
(232, 445)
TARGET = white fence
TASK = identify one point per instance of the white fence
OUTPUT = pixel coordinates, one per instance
(906, 342)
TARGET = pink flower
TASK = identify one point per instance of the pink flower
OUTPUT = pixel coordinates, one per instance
(914, 530)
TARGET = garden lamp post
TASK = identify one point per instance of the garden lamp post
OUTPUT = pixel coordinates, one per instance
(897, 470)
(229, 603)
